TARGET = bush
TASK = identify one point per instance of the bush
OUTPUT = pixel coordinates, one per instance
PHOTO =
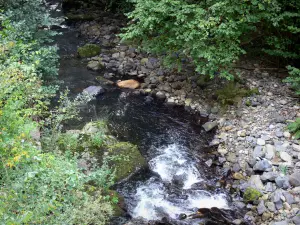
(294, 78)
(213, 34)
(295, 128)
(38, 187)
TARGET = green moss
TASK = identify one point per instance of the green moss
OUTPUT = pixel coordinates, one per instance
(126, 159)
(248, 103)
(233, 92)
(89, 50)
(251, 194)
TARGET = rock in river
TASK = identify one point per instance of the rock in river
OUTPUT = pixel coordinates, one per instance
(210, 125)
(127, 159)
(131, 84)
(94, 90)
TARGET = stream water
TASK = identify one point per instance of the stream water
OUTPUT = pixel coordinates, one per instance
(174, 146)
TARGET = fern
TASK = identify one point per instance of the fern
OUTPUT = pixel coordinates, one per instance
(295, 128)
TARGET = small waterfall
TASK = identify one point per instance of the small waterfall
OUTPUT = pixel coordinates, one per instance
(156, 199)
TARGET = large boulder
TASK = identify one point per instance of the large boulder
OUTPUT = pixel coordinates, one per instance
(88, 50)
(131, 84)
(125, 159)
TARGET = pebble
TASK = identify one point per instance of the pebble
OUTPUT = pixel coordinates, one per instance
(261, 141)
(286, 157)
(296, 219)
(210, 125)
(262, 165)
(295, 179)
(261, 208)
(269, 151)
(209, 162)
(282, 182)
(287, 134)
(296, 147)
(271, 206)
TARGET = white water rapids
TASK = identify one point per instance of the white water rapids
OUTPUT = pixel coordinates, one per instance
(153, 200)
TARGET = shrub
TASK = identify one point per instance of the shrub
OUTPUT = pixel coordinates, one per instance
(295, 128)
(213, 34)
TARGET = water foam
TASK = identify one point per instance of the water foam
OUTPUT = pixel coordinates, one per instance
(153, 199)
(173, 161)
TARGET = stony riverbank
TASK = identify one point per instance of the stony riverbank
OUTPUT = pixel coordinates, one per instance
(253, 145)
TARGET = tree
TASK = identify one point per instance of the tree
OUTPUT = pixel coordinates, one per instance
(213, 34)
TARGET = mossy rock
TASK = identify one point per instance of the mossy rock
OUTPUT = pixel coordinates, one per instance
(126, 159)
(95, 127)
(89, 50)
(251, 195)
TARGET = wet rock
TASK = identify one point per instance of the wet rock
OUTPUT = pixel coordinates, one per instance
(160, 95)
(94, 90)
(134, 160)
(94, 65)
(130, 84)
(240, 205)
(170, 101)
(294, 179)
(237, 221)
(209, 162)
(148, 99)
(210, 125)
(262, 165)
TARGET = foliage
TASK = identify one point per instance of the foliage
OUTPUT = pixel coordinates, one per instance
(213, 34)
(294, 79)
(65, 110)
(48, 189)
(295, 128)
(38, 187)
